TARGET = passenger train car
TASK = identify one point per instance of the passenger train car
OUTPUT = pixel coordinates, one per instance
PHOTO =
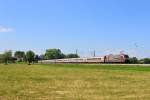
(121, 58)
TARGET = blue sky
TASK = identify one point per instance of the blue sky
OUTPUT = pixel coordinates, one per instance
(106, 26)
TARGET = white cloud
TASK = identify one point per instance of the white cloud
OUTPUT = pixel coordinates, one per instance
(5, 29)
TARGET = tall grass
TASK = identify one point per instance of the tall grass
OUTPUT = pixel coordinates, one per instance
(74, 82)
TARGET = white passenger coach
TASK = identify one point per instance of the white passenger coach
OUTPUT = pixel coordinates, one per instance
(121, 58)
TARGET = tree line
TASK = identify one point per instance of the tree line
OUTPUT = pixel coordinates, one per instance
(134, 60)
(31, 57)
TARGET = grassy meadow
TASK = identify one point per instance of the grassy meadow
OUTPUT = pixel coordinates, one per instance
(74, 82)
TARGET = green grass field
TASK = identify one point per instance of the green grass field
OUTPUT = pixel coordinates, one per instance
(74, 82)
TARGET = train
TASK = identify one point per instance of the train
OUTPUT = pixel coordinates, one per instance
(120, 58)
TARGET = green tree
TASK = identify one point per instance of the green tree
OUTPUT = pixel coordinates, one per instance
(1, 58)
(7, 56)
(19, 55)
(72, 56)
(146, 60)
(134, 60)
(30, 55)
(53, 54)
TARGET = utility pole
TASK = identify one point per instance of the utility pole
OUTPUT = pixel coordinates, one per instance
(76, 54)
(76, 51)
(94, 53)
